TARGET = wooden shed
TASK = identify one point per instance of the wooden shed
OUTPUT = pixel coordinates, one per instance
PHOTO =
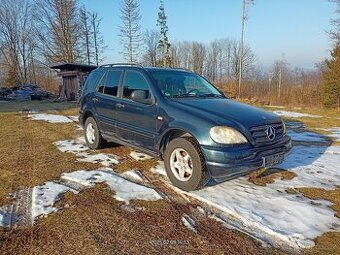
(73, 79)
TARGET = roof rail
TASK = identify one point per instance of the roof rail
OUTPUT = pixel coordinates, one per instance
(181, 68)
(122, 64)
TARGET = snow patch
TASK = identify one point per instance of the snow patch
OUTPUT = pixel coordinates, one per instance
(295, 114)
(78, 148)
(276, 212)
(2, 220)
(159, 169)
(315, 166)
(71, 146)
(52, 118)
(189, 222)
(306, 136)
(139, 156)
(74, 118)
(134, 175)
(104, 159)
(270, 213)
(45, 196)
(335, 132)
(124, 190)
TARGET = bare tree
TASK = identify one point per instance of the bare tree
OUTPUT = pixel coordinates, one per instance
(59, 30)
(130, 31)
(240, 65)
(198, 52)
(98, 41)
(86, 33)
(16, 37)
(151, 40)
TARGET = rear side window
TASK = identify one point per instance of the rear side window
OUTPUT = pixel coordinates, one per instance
(111, 84)
(92, 81)
(135, 81)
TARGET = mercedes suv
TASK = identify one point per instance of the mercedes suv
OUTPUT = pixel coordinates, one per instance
(182, 118)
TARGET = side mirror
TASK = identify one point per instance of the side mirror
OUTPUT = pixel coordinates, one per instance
(141, 96)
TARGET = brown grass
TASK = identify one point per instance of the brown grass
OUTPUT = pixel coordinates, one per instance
(328, 243)
(95, 223)
(28, 156)
(265, 176)
(15, 106)
(331, 195)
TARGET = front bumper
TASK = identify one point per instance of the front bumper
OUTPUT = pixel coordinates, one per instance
(230, 162)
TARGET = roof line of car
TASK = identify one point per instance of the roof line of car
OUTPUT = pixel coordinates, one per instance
(140, 66)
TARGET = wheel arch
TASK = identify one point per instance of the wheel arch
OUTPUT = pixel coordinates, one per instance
(86, 115)
(172, 134)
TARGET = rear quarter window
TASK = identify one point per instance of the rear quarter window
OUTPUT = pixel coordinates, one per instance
(92, 81)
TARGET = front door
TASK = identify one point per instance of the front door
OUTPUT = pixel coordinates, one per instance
(136, 122)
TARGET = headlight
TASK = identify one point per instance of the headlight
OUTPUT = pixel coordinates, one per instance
(227, 135)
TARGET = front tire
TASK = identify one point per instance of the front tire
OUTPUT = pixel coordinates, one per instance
(185, 164)
(93, 138)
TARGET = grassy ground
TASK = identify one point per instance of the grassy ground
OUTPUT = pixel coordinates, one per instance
(93, 222)
(28, 156)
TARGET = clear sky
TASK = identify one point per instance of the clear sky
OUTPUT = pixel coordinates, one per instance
(293, 28)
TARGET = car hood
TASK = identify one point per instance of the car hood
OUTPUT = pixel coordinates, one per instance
(221, 111)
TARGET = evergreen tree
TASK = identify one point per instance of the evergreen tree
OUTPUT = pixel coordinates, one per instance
(331, 79)
(164, 44)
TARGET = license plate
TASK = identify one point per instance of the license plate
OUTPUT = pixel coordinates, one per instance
(273, 160)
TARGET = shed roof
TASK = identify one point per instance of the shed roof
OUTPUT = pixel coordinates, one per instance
(74, 66)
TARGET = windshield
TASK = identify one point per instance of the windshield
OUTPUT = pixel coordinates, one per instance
(183, 84)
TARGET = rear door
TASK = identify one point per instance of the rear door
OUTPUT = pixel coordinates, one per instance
(136, 122)
(105, 100)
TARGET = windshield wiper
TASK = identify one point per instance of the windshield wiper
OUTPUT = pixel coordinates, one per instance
(183, 95)
(211, 95)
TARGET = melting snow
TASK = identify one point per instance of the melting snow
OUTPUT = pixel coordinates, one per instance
(271, 211)
(79, 149)
(45, 196)
(139, 156)
(189, 222)
(296, 114)
(315, 166)
(335, 132)
(2, 219)
(104, 159)
(72, 146)
(124, 189)
(306, 136)
(52, 118)
(74, 118)
(159, 169)
(133, 174)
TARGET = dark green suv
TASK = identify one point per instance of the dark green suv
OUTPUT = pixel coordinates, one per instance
(181, 117)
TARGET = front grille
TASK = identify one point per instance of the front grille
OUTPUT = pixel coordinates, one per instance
(259, 134)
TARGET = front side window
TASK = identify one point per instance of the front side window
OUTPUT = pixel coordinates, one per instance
(135, 81)
(184, 84)
(111, 84)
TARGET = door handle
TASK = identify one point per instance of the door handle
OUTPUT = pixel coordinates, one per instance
(95, 100)
(119, 105)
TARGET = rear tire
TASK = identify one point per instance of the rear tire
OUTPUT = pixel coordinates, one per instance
(93, 137)
(185, 164)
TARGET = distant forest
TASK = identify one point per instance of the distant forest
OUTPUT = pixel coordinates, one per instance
(35, 34)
